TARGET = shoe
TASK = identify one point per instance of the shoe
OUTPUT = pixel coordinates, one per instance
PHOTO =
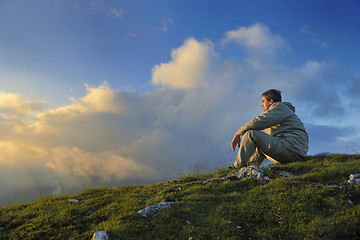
(232, 167)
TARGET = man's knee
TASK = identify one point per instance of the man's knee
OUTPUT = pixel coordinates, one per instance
(251, 134)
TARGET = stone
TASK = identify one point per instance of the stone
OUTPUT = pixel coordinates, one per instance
(73, 200)
(154, 208)
(90, 213)
(225, 178)
(101, 235)
(251, 172)
(208, 180)
(285, 174)
(354, 179)
(351, 203)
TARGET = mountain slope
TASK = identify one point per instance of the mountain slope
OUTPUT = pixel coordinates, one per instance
(313, 201)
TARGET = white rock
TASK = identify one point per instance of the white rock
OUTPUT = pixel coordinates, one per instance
(252, 171)
(208, 180)
(354, 179)
(101, 235)
(350, 202)
(2, 228)
(73, 200)
(225, 178)
(154, 208)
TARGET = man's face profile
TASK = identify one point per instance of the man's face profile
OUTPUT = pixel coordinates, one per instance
(266, 103)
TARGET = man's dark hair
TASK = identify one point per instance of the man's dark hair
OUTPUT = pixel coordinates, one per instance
(273, 94)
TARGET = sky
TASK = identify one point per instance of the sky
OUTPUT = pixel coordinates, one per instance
(110, 93)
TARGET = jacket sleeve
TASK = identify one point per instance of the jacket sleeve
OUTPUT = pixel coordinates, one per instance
(269, 118)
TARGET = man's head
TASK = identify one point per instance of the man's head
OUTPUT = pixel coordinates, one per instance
(269, 97)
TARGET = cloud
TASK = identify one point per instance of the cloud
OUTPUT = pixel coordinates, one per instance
(188, 68)
(262, 66)
(17, 110)
(131, 36)
(19, 104)
(315, 37)
(354, 88)
(256, 39)
(333, 139)
(38, 170)
(19, 165)
(112, 137)
(165, 25)
(99, 99)
(98, 6)
(74, 164)
(73, 146)
(317, 85)
(107, 137)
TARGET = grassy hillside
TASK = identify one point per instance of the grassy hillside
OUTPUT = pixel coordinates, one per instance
(313, 203)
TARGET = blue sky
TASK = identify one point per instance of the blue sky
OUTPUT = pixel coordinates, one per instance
(62, 44)
(95, 92)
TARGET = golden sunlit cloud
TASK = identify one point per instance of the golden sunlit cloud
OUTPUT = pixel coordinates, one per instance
(107, 165)
(14, 103)
(188, 68)
(25, 166)
(97, 99)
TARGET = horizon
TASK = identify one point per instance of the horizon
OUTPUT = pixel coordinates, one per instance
(117, 92)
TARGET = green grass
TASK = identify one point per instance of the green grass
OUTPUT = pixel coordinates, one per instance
(311, 205)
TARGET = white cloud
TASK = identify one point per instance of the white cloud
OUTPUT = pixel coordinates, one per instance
(256, 39)
(188, 68)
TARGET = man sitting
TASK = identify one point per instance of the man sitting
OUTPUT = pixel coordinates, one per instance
(283, 140)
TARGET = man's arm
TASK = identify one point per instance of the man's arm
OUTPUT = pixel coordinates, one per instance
(273, 116)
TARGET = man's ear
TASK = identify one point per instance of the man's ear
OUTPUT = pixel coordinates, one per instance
(271, 102)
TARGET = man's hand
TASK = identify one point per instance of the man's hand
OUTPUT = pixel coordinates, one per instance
(236, 141)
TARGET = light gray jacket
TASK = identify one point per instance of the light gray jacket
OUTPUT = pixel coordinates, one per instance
(281, 122)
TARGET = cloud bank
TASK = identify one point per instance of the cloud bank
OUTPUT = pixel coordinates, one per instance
(112, 137)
